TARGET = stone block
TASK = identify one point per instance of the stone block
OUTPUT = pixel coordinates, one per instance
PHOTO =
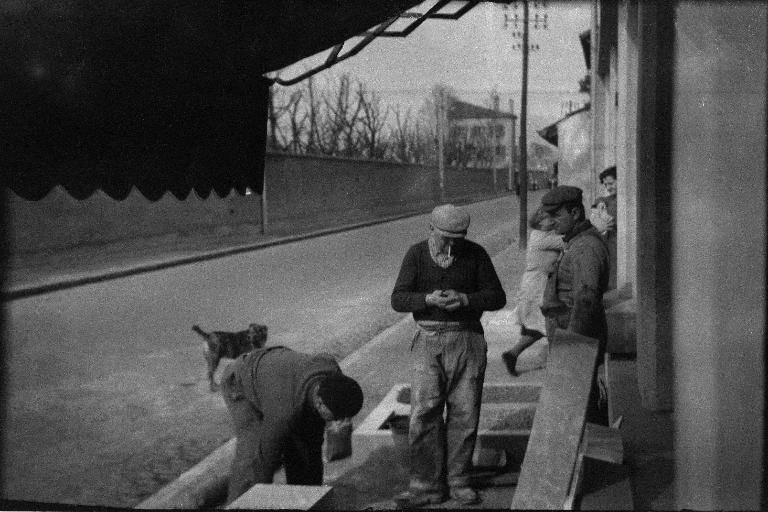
(285, 497)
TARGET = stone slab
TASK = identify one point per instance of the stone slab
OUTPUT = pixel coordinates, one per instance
(285, 497)
(502, 403)
(554, 444)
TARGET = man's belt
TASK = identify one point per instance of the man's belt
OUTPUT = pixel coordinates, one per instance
(438, 326)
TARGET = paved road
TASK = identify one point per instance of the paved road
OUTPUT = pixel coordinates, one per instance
(106, 394)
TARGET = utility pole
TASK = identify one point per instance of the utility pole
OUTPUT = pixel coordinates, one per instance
(440, 144)
(526, 48)
(524, 137)
(511, 168)
(273, 147)
(272, 119)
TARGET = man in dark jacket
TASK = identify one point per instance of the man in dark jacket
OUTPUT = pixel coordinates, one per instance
(279, 401)
(573, 298)
(447, 282)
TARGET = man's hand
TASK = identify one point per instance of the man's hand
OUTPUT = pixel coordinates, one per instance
(449, 300)
(436, 299)
(601, 220)
(455, 300)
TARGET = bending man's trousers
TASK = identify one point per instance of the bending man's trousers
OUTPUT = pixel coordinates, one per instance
(447, 372)
(301, 452)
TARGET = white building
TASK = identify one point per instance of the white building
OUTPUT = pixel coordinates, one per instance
(480, 137)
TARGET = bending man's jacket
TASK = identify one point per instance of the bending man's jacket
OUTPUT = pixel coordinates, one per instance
(276, 381)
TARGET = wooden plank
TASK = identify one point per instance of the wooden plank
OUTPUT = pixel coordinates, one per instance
(577, 479)
(553, 448)
(285, 497)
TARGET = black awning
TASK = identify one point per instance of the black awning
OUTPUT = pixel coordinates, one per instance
(162, 95)
(167, 145)
(112, 95)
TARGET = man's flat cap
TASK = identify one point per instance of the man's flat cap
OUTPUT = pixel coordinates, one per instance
(450, 221)
(561, 195)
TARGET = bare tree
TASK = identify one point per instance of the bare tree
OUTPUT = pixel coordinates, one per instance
(342, 112)
(297, 118)
(277, 109)
(372, 121)
(314, 136)
(400, 136)
(344, 120)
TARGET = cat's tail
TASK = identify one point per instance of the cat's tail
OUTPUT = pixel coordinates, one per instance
(199, 331)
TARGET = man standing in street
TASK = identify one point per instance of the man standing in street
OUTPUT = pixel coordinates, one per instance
(573, 298)
(279, 401)
(447, 282)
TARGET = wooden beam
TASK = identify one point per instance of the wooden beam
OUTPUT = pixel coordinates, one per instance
(553, 449)
(577, 479)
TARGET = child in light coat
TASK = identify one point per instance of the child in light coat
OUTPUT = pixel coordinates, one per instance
(544, 247)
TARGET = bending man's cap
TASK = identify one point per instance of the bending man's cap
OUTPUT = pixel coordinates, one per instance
(558, 196)
(342, 395)
(450, 221)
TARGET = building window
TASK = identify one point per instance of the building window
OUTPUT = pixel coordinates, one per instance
(476, 132)
(459, 132)
(499, 130)
(501, 151)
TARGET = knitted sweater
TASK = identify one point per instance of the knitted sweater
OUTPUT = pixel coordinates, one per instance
(471, 272)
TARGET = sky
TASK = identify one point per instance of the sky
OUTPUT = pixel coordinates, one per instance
(474, 55)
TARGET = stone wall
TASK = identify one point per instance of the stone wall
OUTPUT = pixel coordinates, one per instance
(302, 193)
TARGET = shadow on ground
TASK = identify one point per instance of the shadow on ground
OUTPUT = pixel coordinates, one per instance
(374, 483)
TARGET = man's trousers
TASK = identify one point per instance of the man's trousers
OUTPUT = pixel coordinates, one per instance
(448, 368)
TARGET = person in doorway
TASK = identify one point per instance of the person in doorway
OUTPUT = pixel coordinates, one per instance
(447, 282)
(573, 297)
(604, 218)
(544, 246)
(280, 401)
